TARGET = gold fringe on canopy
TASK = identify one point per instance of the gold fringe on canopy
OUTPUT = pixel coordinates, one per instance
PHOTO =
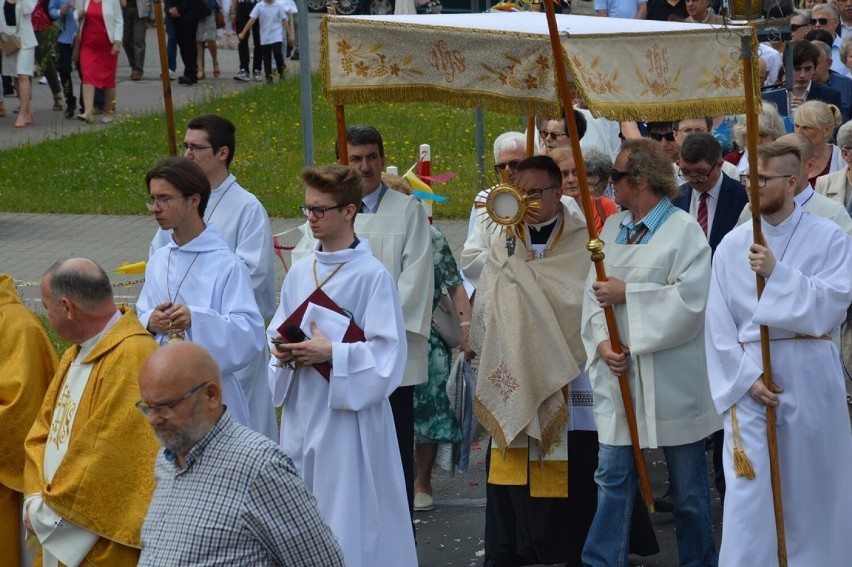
(625, 76)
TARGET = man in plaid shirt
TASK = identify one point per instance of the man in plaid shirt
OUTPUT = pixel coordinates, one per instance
(225, 494)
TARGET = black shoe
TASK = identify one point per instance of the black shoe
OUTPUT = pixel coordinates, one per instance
(188, 81)
(69, 111)
(295, 56)
(664, 503)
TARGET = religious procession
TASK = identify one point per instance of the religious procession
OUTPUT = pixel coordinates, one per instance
(662, 261)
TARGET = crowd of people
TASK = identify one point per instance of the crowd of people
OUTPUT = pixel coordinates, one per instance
(351, 356)
(59, 37)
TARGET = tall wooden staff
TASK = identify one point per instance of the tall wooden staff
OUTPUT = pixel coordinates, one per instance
(164, 76)
(752, 137)
(596, 246)
(339, 110)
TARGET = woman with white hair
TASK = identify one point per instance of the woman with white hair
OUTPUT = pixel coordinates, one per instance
(770, 127)
(838, 185)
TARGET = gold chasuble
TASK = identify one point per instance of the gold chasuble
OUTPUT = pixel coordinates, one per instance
(105, 480)
(27, 363)
(526, 329)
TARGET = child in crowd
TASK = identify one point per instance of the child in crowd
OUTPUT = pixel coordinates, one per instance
(273, 20)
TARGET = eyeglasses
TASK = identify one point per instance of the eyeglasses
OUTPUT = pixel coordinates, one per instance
(318, 212)
(537, 193)
(167, 410)
(699, 176)
(512, 165)
(822, 21)
(797, 27)
(161, 202)
(552, 134)
(761, 179)
(617, 175)
(668, 136)
(193, 148)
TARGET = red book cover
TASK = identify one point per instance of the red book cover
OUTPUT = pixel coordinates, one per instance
(354, 333)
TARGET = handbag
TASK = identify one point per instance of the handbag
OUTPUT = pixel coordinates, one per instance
(220, 20)
(446, 322)
(9, 43)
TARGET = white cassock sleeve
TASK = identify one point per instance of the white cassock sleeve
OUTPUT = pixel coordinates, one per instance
(731, 370)
(809, 305)
(233, 332)
(416, 281)
(365, 373)
(254, 248)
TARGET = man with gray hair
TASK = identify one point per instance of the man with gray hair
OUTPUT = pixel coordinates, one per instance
(90, 455)
(262, 513)
(827, 76)
(826, 17)
(509, 151)
(837, 186)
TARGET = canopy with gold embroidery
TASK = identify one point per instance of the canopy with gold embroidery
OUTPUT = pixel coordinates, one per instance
(623, 69)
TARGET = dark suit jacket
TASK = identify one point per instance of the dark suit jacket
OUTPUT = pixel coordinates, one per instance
(732, 199)
(827, 95)
(843, 85)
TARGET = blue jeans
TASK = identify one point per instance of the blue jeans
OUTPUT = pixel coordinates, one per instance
(609, 536)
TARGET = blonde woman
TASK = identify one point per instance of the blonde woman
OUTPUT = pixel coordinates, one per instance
(16, 20)
(101, 30)
(816, 120)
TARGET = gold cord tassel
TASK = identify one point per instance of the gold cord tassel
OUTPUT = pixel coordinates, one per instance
(742, 466)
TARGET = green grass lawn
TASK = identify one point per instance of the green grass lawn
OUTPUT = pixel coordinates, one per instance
(103, 171)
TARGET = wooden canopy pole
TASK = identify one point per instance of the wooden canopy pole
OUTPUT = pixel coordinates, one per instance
(596, 246)
(752, 138)
(164, 76)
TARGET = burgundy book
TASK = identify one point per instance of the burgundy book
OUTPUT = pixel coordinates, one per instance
(354, 333)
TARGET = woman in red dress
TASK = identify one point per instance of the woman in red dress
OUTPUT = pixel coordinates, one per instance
(101, 29)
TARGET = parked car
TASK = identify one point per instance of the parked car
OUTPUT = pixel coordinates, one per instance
(349, 7)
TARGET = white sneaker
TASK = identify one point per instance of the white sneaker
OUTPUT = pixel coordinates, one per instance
(423, 502)
(172, 75)
(42, 80)
(258, 76)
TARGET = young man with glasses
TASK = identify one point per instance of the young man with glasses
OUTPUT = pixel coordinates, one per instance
(90, 455)
(261, 514)
(806, 263)
(686, 127)
(195, 288)
(241, 219)
(658, 293)
(337, 419)
(398, 231)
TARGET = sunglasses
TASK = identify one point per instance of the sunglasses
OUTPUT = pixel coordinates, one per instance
(668, 136)
(820, 21)
(797, 27)
(552, 135)
(617, 174)
(513, 165)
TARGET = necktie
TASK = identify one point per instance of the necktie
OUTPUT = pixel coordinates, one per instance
(702, 212)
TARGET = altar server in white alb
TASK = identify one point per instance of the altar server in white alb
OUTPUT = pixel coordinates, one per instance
(398, 231)
(210, 141)
(196, 288)
(338, 427)
(808, 269)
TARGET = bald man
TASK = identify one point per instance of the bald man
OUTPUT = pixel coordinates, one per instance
(262, 514)
(89, 453)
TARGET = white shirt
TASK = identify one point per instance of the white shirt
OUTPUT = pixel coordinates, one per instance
(270, 17)
(712, 202)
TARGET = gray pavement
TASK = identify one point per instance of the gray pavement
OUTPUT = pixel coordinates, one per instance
(451, 534)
